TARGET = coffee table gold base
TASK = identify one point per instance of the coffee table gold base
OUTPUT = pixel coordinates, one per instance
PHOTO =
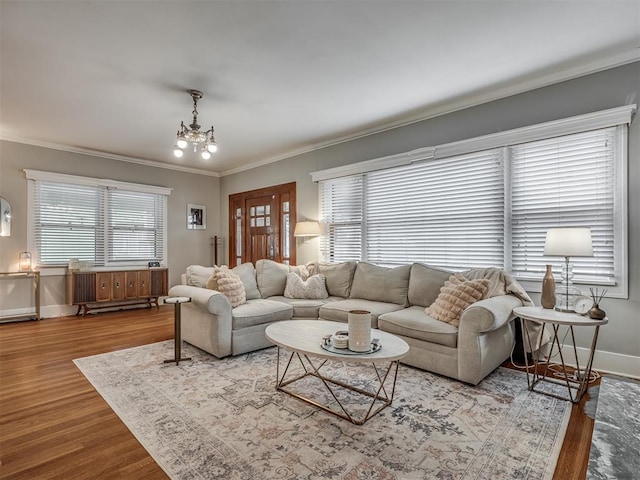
(380, 396)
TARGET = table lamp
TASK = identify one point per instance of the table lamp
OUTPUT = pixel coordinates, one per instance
(307, 229)
(568, 242)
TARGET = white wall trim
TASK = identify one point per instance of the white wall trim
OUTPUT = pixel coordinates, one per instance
(560, 73)
(468, 101)
(98, 182)
(99, 154)
(565, 126)
(375, 164)
(604, 362)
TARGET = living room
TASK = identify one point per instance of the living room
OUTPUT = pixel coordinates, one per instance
(563, 88)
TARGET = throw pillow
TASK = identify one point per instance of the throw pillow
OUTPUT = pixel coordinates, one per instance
(197, 275)
(247, 274)
(212, 283)
(231, 286)
(301, 270)
(315, 287)
(456, 295)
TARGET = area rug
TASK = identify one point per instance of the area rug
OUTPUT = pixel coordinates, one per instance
(223, 419)
(616, 434)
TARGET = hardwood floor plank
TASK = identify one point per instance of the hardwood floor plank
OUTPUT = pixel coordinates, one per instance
(55, 426)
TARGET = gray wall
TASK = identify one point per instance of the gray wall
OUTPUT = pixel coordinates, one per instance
(185, 247)
(608, 89)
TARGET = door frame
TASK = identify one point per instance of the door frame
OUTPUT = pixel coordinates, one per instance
(238, 200)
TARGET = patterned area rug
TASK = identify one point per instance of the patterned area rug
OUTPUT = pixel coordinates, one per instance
(223, 419)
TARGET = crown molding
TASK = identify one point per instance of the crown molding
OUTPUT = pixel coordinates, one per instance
(514, 88)
(111, 156)
(562, 75)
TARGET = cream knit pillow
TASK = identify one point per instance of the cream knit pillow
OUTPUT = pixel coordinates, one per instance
(456, 295)
(314, 287)
(231, 286)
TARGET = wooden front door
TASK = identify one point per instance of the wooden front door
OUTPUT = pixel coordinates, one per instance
(261, 224)
(262, 234)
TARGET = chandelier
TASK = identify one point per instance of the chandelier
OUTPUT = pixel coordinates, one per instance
(193, 135)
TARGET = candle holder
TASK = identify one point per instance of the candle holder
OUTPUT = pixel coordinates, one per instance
(25, 261)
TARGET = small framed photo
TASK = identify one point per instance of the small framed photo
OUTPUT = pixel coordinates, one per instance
(196, 217)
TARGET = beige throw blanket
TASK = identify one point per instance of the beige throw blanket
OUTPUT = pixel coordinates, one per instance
(502, 283)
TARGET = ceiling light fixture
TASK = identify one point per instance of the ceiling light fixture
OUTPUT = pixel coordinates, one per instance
(193, 135)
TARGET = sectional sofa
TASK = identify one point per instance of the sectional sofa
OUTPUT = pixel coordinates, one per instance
(396, 298)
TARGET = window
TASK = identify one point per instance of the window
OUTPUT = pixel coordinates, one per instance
(99, 221)
(490, 207)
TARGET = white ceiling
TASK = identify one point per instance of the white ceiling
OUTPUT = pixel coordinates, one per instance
(280, 77)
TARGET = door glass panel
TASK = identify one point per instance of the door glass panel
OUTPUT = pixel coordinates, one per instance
(260, 210)
(238, 236)
(253, 222)
(286, 253)
(268, 219)
(285, 206)
(252, 211)
(268, 209)
(259, 222)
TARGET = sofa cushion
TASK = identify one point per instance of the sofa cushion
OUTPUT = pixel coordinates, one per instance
(383, 284)
(259, 311)
(197, 275)
(305, 308)
(247, 274)
(231, 286)
(456, 295)
(313, 287)
(339, 311)
(425, 283)
(413, 322)
(271, 277)
(338, 275)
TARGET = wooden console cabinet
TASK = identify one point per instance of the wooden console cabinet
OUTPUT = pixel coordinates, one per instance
(116, 288)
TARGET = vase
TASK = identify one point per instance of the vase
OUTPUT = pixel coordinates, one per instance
(548, 297)
(359, 330)
(596, 313)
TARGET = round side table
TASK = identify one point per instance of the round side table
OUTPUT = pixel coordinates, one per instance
(576, 384)
(177, 303)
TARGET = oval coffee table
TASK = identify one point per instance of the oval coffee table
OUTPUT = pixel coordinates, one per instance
(304, 338)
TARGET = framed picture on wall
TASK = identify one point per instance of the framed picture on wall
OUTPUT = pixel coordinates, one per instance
(196, 217)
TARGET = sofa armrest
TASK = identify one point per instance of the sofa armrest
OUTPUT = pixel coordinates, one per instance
(204, 299)
(206, 320)
(489, 314)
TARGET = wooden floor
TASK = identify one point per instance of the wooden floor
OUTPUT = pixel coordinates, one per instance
(54, 425)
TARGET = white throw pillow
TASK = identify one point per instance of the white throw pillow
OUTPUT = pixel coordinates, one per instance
(315, 287)
(231, 286)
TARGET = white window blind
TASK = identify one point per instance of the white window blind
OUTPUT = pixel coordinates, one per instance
(446, 212)
(564, 182)
(135, 226)
(96, 221)
(488, 208)
(341, 206)
(68, 223)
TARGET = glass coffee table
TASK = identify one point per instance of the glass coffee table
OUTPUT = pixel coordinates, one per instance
(304, 339)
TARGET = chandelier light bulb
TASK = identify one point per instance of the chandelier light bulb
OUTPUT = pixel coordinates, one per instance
(206, 155)
(177, 151)
(181, 143)
(212, 147)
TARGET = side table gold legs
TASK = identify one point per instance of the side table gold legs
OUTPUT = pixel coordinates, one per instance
(177, 303)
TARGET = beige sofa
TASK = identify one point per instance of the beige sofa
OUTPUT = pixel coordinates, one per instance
(396, 298)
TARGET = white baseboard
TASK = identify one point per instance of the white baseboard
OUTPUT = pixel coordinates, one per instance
(603, 362)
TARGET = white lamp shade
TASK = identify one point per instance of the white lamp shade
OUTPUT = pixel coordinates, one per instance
(568, 242)
(307, 229)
